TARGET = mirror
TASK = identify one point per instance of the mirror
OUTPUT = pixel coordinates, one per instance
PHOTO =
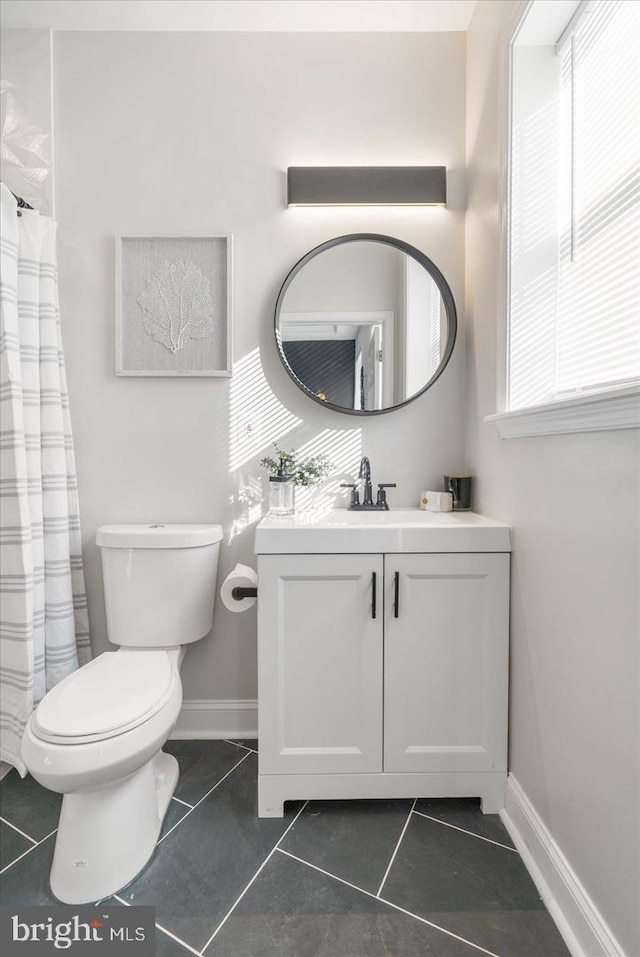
(365, 323)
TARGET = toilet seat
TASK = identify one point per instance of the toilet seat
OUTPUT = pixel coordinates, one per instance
(111, 695)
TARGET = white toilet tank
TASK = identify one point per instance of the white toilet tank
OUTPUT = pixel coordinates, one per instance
(159, 582)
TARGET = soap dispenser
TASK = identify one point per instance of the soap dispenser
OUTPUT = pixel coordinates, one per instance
(281, 492)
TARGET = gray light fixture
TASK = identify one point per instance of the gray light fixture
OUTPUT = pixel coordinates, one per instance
(366, 186)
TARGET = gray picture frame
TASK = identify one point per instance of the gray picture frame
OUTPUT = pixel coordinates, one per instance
(174, 305)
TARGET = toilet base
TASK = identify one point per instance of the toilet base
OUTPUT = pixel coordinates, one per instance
(105, 837)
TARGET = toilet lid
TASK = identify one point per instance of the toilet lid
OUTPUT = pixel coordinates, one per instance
(115, 692)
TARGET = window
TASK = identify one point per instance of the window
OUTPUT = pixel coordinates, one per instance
(573, 332)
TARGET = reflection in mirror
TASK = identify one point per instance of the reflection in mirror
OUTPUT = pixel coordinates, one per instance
(365, 323)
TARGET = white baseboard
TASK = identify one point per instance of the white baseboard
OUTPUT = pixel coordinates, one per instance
(582, 926)
(217, 719)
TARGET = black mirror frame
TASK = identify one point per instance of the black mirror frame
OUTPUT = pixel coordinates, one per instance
(425, 262)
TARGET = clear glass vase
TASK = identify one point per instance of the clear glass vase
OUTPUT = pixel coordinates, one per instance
(282, 496)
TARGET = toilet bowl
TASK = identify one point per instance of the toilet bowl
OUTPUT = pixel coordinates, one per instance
(97, 736)
(107, 763)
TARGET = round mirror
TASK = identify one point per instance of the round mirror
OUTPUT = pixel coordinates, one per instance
(365, 323)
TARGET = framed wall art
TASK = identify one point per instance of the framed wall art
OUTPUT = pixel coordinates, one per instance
(174, 305)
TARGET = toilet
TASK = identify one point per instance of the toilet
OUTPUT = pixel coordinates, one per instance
(97, 736)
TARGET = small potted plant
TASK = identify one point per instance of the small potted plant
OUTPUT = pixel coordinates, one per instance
(300, 471)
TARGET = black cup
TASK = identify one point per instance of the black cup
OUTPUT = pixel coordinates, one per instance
(460, 488)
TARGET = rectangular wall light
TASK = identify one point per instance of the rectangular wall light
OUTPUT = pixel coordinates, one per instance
(366, 186)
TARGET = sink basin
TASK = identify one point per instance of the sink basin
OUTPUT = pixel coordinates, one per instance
(398, 530)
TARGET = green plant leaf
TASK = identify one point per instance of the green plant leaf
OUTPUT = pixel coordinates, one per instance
(304, 471)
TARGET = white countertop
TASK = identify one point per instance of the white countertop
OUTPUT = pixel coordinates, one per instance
(398, 530)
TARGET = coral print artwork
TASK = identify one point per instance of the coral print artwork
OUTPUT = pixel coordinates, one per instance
(173, 302)
(176, 305)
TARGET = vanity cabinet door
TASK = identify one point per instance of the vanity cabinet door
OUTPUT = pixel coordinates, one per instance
(320, 620)
(446, 662)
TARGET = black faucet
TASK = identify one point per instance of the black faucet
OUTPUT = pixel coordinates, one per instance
(367, 503)
(365, 475)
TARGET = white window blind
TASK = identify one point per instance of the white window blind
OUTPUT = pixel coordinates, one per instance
(590, 314)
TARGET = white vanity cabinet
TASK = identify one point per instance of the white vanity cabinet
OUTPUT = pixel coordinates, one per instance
(320, 663)
(446, 663)
(381, 674)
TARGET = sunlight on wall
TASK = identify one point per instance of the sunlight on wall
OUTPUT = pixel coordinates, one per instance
(248, 502)
(256, 417)
(245, 503)
(344, 449)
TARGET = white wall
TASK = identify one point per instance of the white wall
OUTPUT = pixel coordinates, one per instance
(573, 503)
(246, 15)
(191, 133)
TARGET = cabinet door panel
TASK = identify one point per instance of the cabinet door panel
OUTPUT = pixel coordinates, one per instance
(320, 663)
(446, 662)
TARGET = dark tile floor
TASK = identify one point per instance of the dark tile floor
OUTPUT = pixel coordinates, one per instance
(423, 878)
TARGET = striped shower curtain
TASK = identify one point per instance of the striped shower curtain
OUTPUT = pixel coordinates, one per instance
(44, 632)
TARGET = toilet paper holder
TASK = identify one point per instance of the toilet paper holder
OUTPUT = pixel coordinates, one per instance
(242, 591)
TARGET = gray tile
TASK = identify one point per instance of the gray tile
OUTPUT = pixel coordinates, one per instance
(476, 889)
(292, 910)
(202, 764)
(466, 813)
(352, 839)
(25, 803)
(166, 946)
(473, 888)
(201, 868)
(176, 812)
(27, 881)
(251, 743)
(12, 844)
